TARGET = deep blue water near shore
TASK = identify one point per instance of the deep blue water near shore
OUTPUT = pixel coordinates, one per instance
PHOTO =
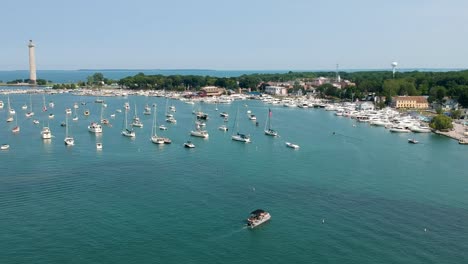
(136, 202)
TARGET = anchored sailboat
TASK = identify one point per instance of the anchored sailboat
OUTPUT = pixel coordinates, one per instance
(239, 136)
(268, 130)
(69, 141)
(154, 137)
(126, 131)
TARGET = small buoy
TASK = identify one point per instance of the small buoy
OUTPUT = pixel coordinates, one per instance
(425, 230)
(333, 132)
(253, 189)
(323, 221)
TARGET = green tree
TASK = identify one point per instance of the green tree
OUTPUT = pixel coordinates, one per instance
(463, 98)
(456, 114)
(438, 93)
(441, 122)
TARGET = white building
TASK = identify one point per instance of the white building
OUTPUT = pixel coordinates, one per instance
(276, 90)
(366, 106)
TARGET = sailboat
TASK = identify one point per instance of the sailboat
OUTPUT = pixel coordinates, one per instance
(44, 107)
(126, 131)
(75, 118)
(154, 137)
(147, 110)
(239, 136)
(104, 121)
(268, 130)
(11, 111)
(199, 132)
(136, 120)
(69, 141)
(16, 129)
(30, 113)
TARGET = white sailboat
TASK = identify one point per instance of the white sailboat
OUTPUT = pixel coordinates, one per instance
(69, 141)
(75, 118)
(104, 121)
(136, 120)
(147, 110)
(239, 136)
(126, 131)
(44, 107)
(16, 128)
(11, 111)
(31, 112)
(154, 137)
(268, 130)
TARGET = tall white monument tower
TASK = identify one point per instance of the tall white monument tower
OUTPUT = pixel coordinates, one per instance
(32, 63)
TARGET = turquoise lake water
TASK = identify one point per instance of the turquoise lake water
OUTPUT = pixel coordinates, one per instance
(361, 195)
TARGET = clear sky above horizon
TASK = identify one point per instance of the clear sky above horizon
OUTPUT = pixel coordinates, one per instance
(230, 35)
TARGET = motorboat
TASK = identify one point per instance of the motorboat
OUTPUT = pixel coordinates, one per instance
(463, 141)
(167, 140)
(199, 133)
(35, 121)
(291, 145)
(171, 120)
(46, 133)
(98, 146)
(68, 111)
(241, 137)
(86, 113)
(412, 141)
(162, 127)
(252, 117)
(136, 122)
(224, 114)
(51, 116)
(257, 218)
(189, 144)
(4, 146)
(399, 129)
(95, 128)
(223, 128)
(420, 129)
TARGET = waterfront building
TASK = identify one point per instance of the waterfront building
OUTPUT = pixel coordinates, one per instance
(416, 102)
(276, 90)
(211, 91)
(32, 63)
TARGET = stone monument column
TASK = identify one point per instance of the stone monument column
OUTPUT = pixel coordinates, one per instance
(32, 63)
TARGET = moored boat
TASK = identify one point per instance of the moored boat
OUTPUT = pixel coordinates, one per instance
(291, 145)
(4, 146)
(412, 141)
(189, 144)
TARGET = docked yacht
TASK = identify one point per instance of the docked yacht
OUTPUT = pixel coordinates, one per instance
(95, 128)
(420, 129)
(399, 129)
(257, 218)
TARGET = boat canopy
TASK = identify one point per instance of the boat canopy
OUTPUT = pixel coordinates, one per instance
(257, 212)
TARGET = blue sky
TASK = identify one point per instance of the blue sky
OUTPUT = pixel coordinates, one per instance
(240, 34)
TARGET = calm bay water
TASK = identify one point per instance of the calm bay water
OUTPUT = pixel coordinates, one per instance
(136, 202)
